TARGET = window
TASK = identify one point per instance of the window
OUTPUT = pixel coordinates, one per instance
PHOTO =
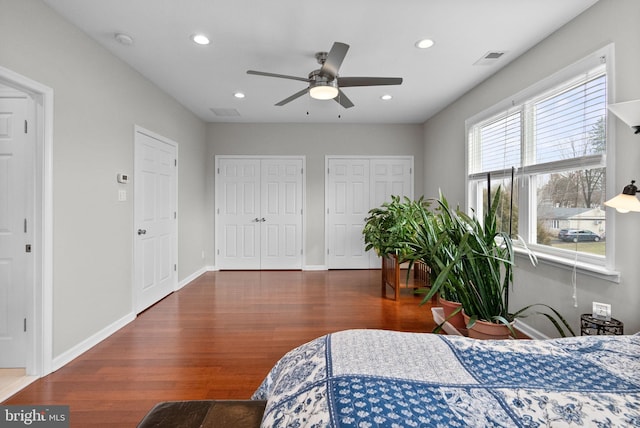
(546, 149)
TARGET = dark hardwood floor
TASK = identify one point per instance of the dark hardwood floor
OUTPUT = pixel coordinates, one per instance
(216, 339)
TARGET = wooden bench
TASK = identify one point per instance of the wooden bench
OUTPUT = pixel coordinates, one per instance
(205, 414)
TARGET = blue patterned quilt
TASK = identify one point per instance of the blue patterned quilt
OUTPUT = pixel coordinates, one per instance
(377, 378)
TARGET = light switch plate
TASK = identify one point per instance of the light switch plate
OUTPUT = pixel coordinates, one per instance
(601, 311)
(122, 195)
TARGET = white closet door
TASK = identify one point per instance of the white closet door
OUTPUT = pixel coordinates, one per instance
(354, 186)
(259, 213)
(281, 214)
(347, 207)
(389, 176)
(238, 196)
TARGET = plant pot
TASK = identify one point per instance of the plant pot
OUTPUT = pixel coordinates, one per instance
(456, 321)
(487, 330)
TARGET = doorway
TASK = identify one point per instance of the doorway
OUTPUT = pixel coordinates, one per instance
(38, 292)
(155, 218)
(259, 212)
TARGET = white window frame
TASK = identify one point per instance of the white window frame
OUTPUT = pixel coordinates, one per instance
(601, 267)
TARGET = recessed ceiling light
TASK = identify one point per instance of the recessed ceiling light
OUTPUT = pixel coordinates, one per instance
(239, 95)
(386, 97)
(424, 43)
(123, 39)
(200, 39)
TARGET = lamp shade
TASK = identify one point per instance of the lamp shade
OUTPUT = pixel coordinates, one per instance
(628, 112)
(627, 200)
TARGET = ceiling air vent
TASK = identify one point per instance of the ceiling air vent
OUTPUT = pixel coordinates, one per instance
(489, 58)
(226, 112)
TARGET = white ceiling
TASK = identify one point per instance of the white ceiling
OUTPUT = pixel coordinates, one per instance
(282, 36)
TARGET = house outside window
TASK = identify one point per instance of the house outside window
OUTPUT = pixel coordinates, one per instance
(546, 149)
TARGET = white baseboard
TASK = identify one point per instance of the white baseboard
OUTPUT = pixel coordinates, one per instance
(190, 278)
(530, 331)
(315, 267)
(90, 342)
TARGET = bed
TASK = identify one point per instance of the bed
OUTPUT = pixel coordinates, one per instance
(378, 378)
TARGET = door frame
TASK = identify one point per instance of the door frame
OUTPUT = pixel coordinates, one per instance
(137, 202)
(39, 295)
(217, 203)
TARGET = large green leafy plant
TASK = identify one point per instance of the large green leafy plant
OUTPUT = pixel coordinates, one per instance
(472, 261)
(388, 228)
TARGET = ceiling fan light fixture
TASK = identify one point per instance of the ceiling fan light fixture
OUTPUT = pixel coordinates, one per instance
(324, 90)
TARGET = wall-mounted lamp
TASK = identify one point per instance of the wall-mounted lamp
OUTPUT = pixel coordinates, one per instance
(628, 112)
(627, 200)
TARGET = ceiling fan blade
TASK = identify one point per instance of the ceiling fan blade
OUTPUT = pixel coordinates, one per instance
(343, 100)
(282, 76)
(293, 97)
(346, 82)
(334, 59)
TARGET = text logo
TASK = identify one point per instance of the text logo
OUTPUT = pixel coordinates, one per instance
(34, 416)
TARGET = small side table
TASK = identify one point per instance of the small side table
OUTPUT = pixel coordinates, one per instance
(590, 326)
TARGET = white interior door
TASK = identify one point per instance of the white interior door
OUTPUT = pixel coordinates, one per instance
(347, 207)
(259, 212)
(281, 214)
(389, 176)
(16, 224)
(354, 186)
(239, 218)
(155, 215)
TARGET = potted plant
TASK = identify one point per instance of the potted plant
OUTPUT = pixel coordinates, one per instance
(388, 228)
(387, 231)
(474, 261)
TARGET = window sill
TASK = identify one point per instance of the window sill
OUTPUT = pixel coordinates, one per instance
(589, 269)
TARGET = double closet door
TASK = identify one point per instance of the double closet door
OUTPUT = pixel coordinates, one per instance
(354, 185)
(259, 212)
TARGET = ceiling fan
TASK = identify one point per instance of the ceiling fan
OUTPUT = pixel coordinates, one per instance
(325, 84)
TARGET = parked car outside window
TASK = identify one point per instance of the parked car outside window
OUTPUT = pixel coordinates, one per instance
(581, 235)
(563, 232)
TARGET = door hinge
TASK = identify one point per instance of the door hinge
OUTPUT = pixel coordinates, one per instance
(26, 127)
(175, 215)
(327, 251)
(25, 225)
(27, 248)
(175, 267)
(25, 325)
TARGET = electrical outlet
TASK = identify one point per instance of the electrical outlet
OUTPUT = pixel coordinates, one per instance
(602, 310)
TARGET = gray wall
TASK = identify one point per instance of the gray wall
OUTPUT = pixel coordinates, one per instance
(98, 100)
(315, 141)
(444, 135)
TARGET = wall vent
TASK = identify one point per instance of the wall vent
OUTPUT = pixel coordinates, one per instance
(226, 112)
